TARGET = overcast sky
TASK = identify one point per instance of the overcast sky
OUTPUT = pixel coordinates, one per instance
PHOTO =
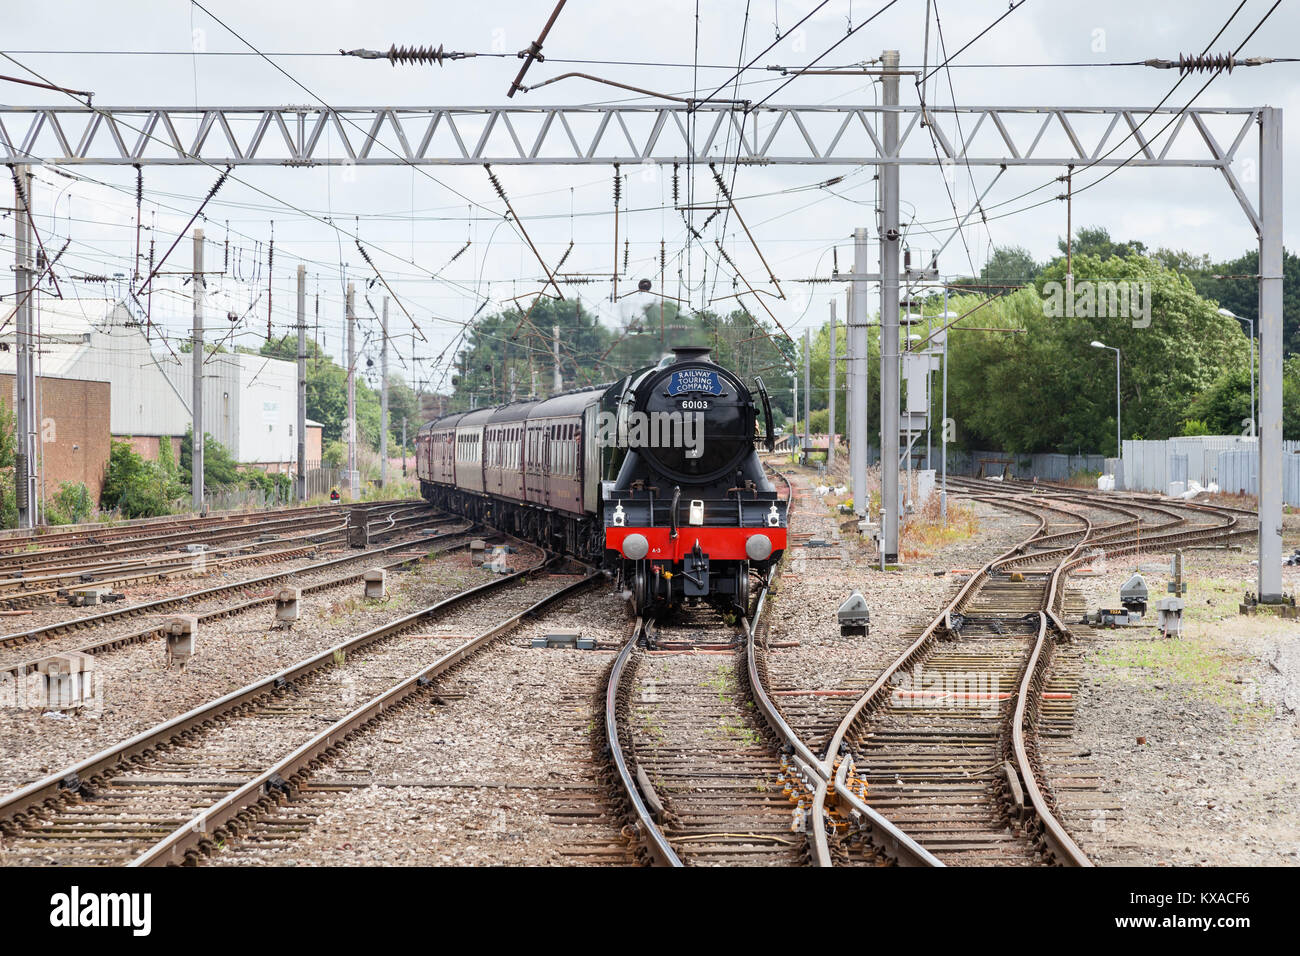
(418, 222)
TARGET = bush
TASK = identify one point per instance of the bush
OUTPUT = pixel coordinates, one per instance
(71, 504)
(334, 455)
(135, 487)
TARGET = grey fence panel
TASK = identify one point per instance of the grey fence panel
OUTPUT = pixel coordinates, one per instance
(1238, 472)
(1178, 469)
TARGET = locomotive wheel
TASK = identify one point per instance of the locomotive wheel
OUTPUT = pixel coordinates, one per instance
(640, 587)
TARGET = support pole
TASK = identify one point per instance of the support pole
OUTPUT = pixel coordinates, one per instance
(857, 376)
(943, 422)
(558, 381)
(889, 353)
(807, 395)
(1270, 356)
(302, 383)
(199, 433)
(383, 400)
(403, 446)
(830, 369)
(350, 425)
(24, 417)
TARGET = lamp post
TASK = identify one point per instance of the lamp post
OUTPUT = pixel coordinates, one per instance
(1254, 428)
(1119, 443)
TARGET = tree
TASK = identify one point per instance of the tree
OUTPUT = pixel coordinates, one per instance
(1241, 295)
(1048, 390)
(71, 504)
(220, 470)
(1095, 241)
(1224, 407)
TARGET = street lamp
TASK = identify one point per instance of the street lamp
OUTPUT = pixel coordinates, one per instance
(1251, 322)
(1119, 443)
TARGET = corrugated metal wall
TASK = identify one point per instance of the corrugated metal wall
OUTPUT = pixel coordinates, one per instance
(1230, 461)
(1047, 466)
(1152, 465)
(1239, 474)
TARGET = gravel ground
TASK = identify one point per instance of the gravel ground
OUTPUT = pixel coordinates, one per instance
(497, 768)
(137, 691)
(1217, 779)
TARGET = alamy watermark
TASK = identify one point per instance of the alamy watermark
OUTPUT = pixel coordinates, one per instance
(1099, 299)
(64, 682)
(676, 429)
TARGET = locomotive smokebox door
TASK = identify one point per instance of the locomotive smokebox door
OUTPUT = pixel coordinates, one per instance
(855, 618)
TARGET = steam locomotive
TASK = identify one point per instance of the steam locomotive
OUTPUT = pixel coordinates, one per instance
(654, 476)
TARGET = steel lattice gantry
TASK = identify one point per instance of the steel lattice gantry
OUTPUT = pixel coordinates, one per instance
(845, 135)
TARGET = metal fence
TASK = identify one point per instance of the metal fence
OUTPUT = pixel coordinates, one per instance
(1152, 465)
(1239, 474)
(1229, 461)
(1044, 465)
(234, 498)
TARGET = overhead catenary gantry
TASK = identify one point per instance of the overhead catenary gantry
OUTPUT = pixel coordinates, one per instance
(830, 135)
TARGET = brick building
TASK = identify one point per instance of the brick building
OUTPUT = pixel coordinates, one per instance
(74, 430)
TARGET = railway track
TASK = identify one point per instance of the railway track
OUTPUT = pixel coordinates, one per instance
(497, 764)
(179, 790)
(143, 561)
(944, 742)
(15, 541)
(209, 604)
(40, 635)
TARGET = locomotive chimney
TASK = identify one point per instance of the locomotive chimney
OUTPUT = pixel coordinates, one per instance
(692, 353)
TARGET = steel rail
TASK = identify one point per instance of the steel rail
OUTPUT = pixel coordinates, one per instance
(897, 844)
(142, 526)
(942, 619)
(186, 841)
(1058, 843)
(653, 838)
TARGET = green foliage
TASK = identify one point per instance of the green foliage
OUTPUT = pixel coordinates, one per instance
(1241, 295)
(1196, 426)
(8, 501)
(71, 504)
(1224, 407)
(1048, 390)
(1095, 241)
(1007, 266)
(221, 471)
(334, 454)
(135, 487)
(519, 341)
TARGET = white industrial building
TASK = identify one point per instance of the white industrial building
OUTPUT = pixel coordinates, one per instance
(250, 402)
